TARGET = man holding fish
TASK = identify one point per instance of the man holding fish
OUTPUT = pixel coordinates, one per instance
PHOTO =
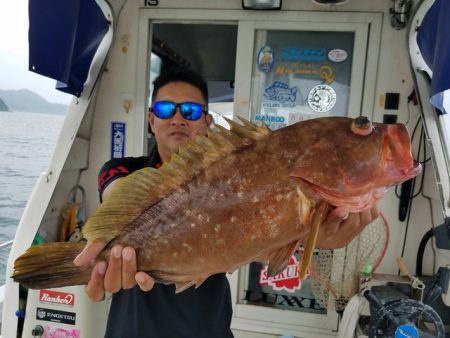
(179, 112)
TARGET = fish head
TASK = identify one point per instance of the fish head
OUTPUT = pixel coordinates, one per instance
(351, 163)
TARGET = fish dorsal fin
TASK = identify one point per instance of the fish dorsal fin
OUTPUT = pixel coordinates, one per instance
(145, 187)
(279, 259)
(248, 130)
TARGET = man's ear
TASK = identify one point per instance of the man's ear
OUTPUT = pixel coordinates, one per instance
(151, 120)
(209, 119)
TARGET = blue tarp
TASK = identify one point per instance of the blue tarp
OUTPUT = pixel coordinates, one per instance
(434, 43)
(63, 38)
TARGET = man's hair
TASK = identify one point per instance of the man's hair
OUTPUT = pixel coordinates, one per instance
(180, 74)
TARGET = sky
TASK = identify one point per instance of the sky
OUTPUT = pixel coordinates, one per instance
(14, 72)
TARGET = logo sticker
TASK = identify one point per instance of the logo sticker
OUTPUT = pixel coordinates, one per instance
(286, 280)
(117, 139)
(337, 55)
(269, 118)
(280, 92)
(265, 59)
(59, 332)
(55, 297)
(56, 316)
(303, 54)
(322, 98)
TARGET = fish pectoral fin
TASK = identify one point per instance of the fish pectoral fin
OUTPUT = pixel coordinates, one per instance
(279, 259)
(318, 217)
(180, 287)
(199, 282)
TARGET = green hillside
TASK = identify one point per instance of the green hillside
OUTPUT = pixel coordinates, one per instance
(25, 100)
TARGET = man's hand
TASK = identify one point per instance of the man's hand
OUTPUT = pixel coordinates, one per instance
(119, 273)
(340, 227)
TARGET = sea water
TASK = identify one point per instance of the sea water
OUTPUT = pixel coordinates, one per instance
(27, 142)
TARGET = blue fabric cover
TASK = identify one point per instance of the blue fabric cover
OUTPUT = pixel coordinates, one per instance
(63, 38)
(434, 43)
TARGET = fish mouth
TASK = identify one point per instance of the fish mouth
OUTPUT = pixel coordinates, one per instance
(400, 165)
(414, 171)
(395, 175)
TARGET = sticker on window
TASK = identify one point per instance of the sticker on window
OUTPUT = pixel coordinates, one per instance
(322, 98)
(265, 59)
(286, 280)
(337, 55)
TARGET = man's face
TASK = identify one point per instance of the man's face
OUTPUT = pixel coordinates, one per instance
(170, 134)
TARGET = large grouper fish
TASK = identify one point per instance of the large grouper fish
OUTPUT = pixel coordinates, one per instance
(233, 197)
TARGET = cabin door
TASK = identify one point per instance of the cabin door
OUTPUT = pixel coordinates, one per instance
(279, 68)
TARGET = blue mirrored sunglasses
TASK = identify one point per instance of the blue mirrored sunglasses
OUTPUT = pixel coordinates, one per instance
(191, 111)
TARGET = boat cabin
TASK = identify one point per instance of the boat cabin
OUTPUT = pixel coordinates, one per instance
(277, 62)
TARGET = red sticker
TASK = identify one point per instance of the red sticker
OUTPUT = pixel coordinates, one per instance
(56, 297)
(286, 280)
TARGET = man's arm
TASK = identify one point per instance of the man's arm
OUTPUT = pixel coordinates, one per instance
(119, 273)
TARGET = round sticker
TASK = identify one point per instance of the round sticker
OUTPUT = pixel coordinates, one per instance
(337, 55)
(322, 98)
(265, 59)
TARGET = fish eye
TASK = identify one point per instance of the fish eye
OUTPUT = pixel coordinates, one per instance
(361, 126)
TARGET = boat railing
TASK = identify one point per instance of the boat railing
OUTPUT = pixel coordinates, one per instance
(2, 287)
(7, 243)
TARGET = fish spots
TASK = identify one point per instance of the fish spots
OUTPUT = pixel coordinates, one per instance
(192, 225)
(204, 236)
(287, 196)
(220, 242)
(173, 225)
(200, 217)
(274, 230)
(187, 247)
(233, 219)
(174, 254)
(217, 228)
(255, 199)
(240, 194)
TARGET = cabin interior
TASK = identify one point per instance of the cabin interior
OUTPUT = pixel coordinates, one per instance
(326, 58)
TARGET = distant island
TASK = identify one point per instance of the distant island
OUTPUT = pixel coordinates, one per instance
(25, 100)
(3, 106)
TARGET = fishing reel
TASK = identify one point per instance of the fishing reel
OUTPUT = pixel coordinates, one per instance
(395, 315)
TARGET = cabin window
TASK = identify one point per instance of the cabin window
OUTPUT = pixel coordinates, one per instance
(296, 75)
(227, 48)
(207, 48)
(299, 75)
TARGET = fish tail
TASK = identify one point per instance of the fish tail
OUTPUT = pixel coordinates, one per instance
(50, 265)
